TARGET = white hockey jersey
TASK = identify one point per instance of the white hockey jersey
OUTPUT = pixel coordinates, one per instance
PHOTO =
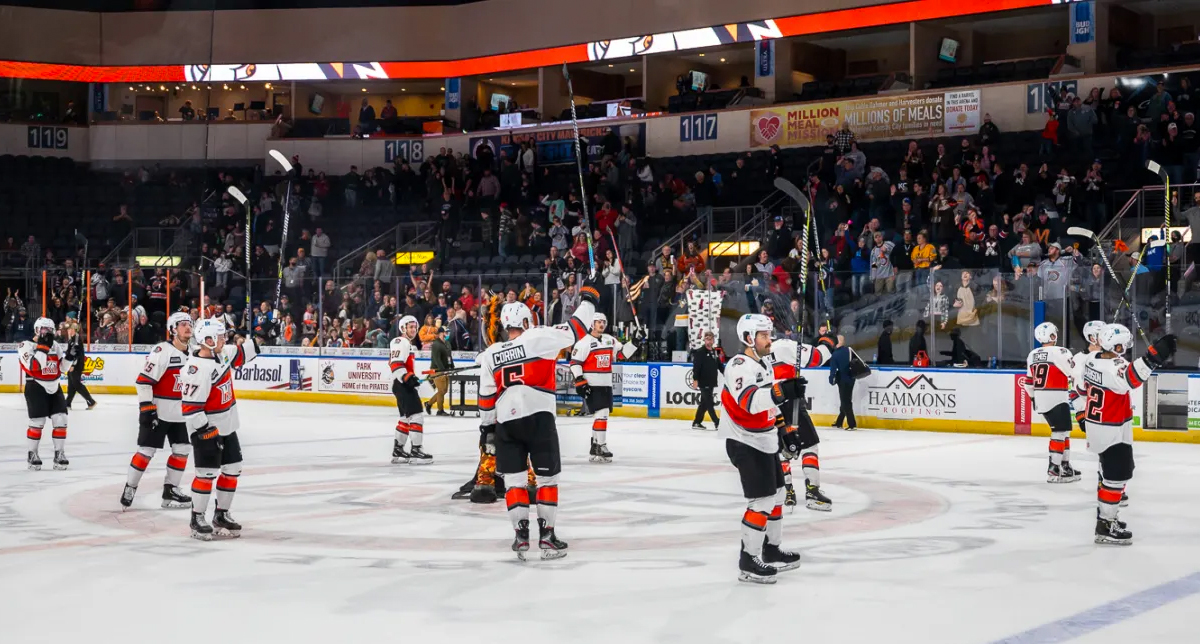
(1078, 387)
(41, 366)
(400, 358)
(1048, 378)
(1109, 388)
(749, 408)
(517, 378)
(160, 383)
(208, 397)
(593, 358)
(789, 356)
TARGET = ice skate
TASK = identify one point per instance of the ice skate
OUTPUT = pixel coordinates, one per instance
(127, 495)
(552, 547)
(60, 459)
(752, 569)
(789, 499)
(418, 456)
(399, 454)
(780, 558)
(520, 543)
(200, 528)
(34, 461)
(1112, 532)
(1124, 500)
(599, 453)
(483, 494)
(224, 526)
(173, 499)
(1069, 474)
(815, 500)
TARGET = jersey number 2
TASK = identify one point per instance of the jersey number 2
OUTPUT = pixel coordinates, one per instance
(1095, 404)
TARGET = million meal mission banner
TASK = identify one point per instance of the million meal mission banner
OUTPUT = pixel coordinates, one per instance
(877, 117)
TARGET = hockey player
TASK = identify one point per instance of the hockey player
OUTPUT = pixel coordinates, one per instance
(1110, 380)
(1048, 383)
(405, 385)
(753, 431)
(209, 409)
(1091, 332)
(517, 404)
(787, 357)
(44, 398)
(591, 364)
(160, 414)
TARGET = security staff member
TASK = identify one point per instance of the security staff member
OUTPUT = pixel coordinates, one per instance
(841, 375)
(706, 363)
(75, 360)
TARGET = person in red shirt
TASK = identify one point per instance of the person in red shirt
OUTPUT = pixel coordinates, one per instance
(605, 218)
(467, 300)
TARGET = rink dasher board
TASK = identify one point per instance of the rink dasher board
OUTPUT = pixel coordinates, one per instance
(943, 400)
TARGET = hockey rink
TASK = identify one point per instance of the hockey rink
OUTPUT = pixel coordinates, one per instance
(933, 538)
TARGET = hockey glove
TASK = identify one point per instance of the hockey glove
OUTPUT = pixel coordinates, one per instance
(411, 381)
(789, 439)
(801, 386)
(784, 390)
(487, 438)
(590, 292)
(582, 387)
(1161, 351)
(45, 342)
(147, 416)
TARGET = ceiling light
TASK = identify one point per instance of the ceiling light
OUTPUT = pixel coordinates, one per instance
(632, 69)
(132, 89)
(244, 87)
(162, 88)
(610, 65)
(513, 84)
(403, 89)
(268, 86)
(364, 89)
(225, 87)
(702, 55)
(443, 89)
(722, 60)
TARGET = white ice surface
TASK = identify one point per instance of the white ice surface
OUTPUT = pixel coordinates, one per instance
(933, 538)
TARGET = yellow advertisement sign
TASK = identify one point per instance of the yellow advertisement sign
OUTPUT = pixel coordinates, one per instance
(877, 117)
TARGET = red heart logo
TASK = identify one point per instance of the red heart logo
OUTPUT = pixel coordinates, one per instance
(768, 128)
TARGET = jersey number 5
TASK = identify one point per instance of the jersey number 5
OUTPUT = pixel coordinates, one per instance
(1095, 404)
(512, 375)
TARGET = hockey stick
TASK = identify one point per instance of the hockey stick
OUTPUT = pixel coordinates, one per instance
(1084, 232)
(237, 194)
(287, 211)
(579, 166)
(790, 189)
(431, 374)
(1154, 167)
(624, 278)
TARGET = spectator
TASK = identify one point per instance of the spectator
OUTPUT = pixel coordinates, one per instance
(989, 134)
(384, 269)
(965, 303)
(883, 272)
(779, 239)
(388, 111)
(939, 305)
(1081, 123)
(843, 138)
(1156, 107)
(705, 196)
(883, 349)
(187, 112)
(366, 117)
(351, 184)
(1049, 137)
(222, 266)
(665, 259)
(916, 344)
(1027, 252)
(626, 225)
(763, 264)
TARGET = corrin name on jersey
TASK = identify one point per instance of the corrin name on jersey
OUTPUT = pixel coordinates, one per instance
(513, 354)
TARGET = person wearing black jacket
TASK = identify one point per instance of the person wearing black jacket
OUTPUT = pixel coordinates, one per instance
(706, 363)
(916, 344)
(75, 360)
(840, 375)
(440, 360)
(883, 353)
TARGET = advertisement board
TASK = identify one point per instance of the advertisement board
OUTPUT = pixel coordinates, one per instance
(363, 376)
(879, 117)
(271, 373)
(557, 146)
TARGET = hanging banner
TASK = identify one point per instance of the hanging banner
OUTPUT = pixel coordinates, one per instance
(557, 146)
(453, 95)
(765, 54)
(1083, 22)
(880, 117)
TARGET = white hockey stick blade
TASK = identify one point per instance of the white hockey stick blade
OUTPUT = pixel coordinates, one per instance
(237, 194)
(790, 189)
(1154, 167)
(1081, 232)
(278, 156)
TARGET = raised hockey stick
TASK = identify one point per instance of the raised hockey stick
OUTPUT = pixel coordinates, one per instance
(1165, 178)
(587, 220)
(794, 193)
(241, 198)
(287, 211)
(1084, 232)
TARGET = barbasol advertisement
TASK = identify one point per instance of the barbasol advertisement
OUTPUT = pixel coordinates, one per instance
(274, 373)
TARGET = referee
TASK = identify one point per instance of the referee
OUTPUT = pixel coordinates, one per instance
(75, 360)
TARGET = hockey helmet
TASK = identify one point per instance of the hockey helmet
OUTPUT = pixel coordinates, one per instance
(176, 319)
(209, 329)
(750, 325)
(599, 317)
(43, 325)
(1116, 335)
(1092, 331)
(1046, 333)
(515, 315)
(407, 320)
